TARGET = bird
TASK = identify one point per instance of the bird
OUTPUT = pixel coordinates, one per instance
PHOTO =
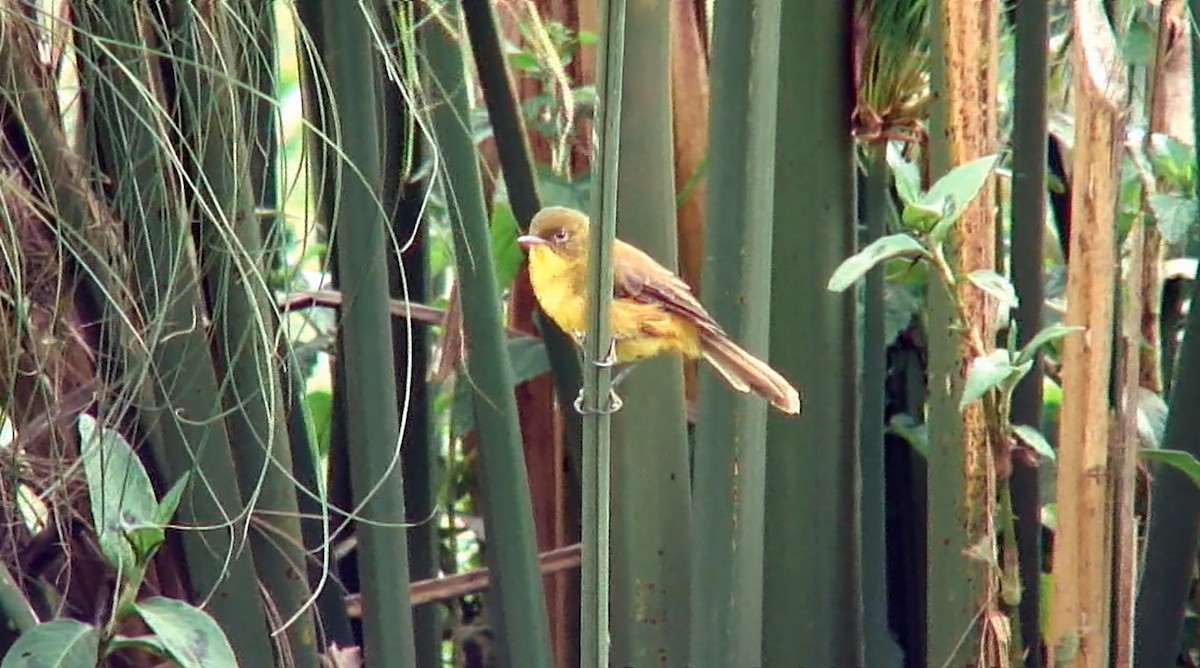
(653, 311)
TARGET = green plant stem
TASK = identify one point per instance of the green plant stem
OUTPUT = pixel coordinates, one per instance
(508, 126)
(518, 602)
(812, 560)
(651, 524)
(730, 458)
(243, 318)
(597, 380)
(371, 419)
(879, 649)
(1010, 573)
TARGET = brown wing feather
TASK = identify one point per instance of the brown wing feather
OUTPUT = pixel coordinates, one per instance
(639, 277)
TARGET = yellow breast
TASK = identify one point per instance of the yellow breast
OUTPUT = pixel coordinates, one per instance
(558, 287)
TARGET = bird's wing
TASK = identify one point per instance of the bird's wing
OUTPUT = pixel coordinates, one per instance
(638, 277)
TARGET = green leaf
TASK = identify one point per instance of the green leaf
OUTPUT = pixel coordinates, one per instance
(1175, 215)
(995, 285)
(506, 254)
(880, 250)
(986, 372)
(59, 643)
(1185, 462)
(1151, 417)
(152, 644)
(1139, 44)
(906, 174)
(901, 301)
(1049, 516)
(952, 193)
(917, 435)
(1034, 439)
(523, 60)
(1172, 160)
(529, 359)
(170, 501)
(919, 217)
(320, 412)
(1047, 335)
(120, 492)
(558, 191)
(191, 637)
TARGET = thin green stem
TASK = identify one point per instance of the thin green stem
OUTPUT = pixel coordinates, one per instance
(597, 380)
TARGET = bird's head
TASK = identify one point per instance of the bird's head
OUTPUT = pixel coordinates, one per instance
(559, 230)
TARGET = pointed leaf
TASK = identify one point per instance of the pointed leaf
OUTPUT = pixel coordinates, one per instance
(1185, 462)
(952, 193)
(1175, 215)
(170, 500)
(985, 373)
(188, 634)
(1034, 439)
(908, 177)
(917, 435)
(506, 254)
(883, 248)
(995, 285)
(1047, 335)
(120, 491)
(59, 643)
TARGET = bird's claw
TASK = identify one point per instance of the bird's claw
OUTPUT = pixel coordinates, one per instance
(610, 359)
(614, 404)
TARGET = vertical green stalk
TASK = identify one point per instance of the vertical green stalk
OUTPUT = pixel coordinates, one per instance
(403, 197)
(1028, 225)
(259, 68)
(242, 316)
(518, 601)
(879, 647)
(330, 604)
(597, 380)
(651, 470)
(321, 508)
(372, 422)
(813, 604)
(730, 457)
(959, 591)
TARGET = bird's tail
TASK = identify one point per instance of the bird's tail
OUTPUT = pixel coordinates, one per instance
(746, 373)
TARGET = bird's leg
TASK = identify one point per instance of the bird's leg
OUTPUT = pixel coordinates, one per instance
(614, 403)
(614, 400)
(610, 358)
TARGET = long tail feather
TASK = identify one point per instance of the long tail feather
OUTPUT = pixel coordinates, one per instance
(746, 373)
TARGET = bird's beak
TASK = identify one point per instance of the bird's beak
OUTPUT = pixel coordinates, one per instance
(529, 241)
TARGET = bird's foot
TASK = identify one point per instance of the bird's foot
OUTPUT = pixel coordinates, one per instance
(610, 359)
(614, 404)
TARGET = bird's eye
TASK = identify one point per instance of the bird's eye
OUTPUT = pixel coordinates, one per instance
(560, 235)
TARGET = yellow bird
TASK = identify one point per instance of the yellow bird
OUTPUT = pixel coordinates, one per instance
(653, 311)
